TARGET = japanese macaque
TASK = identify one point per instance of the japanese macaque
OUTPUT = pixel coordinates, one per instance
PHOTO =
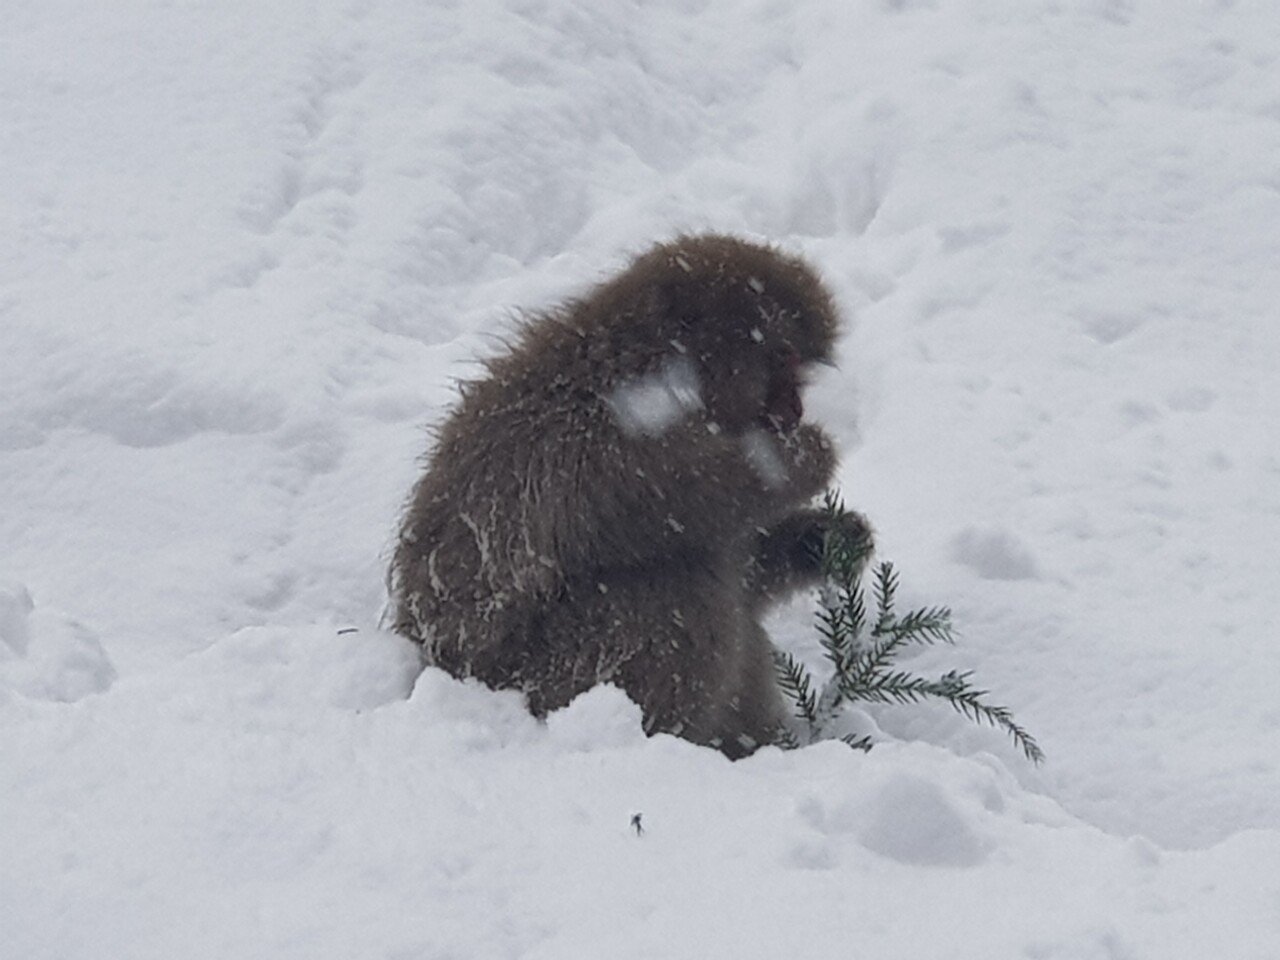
(624, 492)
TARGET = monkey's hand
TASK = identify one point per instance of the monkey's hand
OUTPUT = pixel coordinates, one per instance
(811, 460)
(789, 555)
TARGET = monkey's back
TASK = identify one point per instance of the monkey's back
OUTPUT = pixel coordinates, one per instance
(477, 548)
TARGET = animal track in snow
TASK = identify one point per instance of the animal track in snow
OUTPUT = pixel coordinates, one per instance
(1108, 328)
(142, 405)
(994, 554)
(1190, 399)
(957, 238)
(312, 162)
(46, 655)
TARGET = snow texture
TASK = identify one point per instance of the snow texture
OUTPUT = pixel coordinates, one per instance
(46, 655)
(245, 252)
(653, 404)
(763, 457)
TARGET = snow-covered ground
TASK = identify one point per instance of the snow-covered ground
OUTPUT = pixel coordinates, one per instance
(245, 249)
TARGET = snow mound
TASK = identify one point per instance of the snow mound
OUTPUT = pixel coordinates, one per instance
(46, 655)
(994, 554)
(258, 794)
(301, 668)
(603, 718)
(913, 820)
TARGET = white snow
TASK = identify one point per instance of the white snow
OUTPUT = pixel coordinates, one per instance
(763, 457)
(246, 249)
(46, 655)
(16, 607)
(653, 403)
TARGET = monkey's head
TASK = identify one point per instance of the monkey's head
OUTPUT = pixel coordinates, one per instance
(752, 320)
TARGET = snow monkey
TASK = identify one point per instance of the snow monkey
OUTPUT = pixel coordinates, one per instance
(623, 493)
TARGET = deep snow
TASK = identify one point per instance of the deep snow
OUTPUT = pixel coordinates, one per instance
(246, 249)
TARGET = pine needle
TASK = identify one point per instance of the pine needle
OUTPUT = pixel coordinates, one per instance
(863, 660)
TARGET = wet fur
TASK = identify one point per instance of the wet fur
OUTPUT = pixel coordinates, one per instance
(550, 545)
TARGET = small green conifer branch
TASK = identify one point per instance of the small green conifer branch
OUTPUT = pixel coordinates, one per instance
(798, 685)
(930, 625)
(885, 586)
(833, 636)
(787, 740)
(863, 659)
(955, 688)
(858, 743)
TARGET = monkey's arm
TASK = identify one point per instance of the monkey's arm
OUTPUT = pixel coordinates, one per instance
(644, 498)
(788, 556)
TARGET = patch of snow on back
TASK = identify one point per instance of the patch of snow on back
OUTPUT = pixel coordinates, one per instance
(763, 456)
(653, 403)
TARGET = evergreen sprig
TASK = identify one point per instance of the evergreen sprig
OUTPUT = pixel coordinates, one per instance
(863, 657)
(798, 685)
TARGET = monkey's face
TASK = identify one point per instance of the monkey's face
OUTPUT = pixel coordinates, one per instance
(758, 386)
(751, 319)
(756, 342)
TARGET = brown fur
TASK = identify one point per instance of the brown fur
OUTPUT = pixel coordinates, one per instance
(552, 545)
